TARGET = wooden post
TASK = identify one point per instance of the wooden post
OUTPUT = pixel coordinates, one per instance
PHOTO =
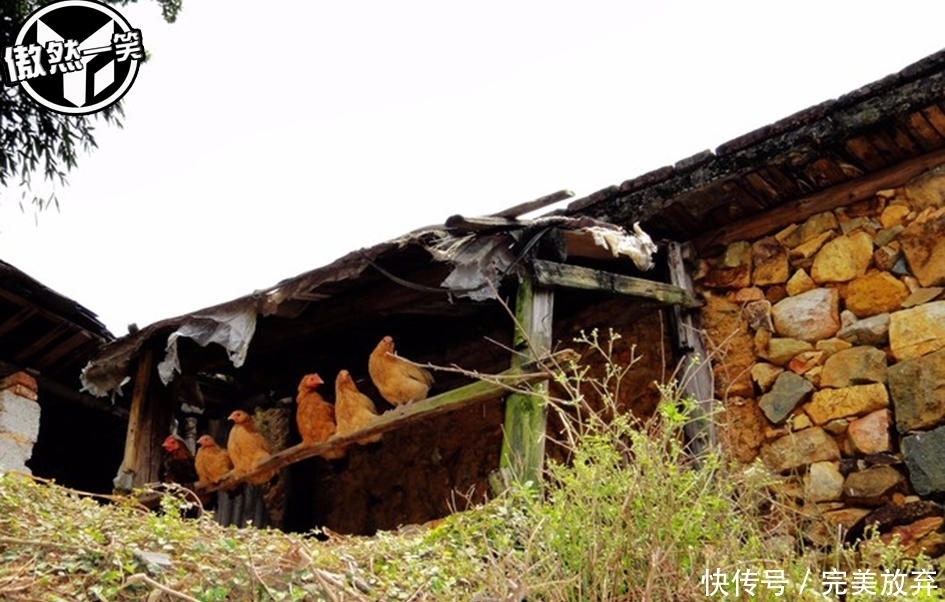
(523, 443)
(148, 423)
(694, 376)
(124, 480)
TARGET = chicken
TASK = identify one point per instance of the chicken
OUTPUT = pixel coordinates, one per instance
(247, 447)
(353, 408)
(314, 417)
(397, 381)
(211, 461)
(178, 465)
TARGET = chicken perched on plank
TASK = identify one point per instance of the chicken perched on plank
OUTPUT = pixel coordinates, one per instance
(353, 408)
(314, 417)
(247, 447)
(178, 465)
(211, 461)
(397, 381)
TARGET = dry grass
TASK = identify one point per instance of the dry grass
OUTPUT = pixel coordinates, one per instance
(630, 517)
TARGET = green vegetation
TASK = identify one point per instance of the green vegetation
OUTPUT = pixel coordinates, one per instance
(629, 517)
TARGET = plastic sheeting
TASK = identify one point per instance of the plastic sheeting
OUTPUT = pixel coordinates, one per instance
(231, 328)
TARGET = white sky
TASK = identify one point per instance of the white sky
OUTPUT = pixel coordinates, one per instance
(266, 139)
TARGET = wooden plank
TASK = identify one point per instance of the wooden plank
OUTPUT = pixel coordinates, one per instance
(919, 128)
(761, 187)
(905, 142)
(539, 203)
(824, 172)
(862, 149)
(522, 458)
(551, 273)
(126, 472)
(490, 388)
(936, 118)
(485, 223)
(888, 149)
(694, 375)
(825, 200)
(783, 183)
(80, 338)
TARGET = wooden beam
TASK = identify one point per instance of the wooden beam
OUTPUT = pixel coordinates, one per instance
(486, 223)
(492, 387)
(526, 414)
(126, 472)
(538, 203)
(694, 375)
(853, 191)
(571, 276)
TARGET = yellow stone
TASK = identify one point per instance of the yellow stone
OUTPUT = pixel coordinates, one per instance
(893, 215)
(831, 404)
(799, 283)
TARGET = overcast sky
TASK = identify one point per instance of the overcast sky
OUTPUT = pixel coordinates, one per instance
(258, 145)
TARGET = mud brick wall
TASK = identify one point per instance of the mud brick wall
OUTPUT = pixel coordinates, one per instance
(828, 342)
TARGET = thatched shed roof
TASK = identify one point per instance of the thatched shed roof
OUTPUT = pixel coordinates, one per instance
(437, 270)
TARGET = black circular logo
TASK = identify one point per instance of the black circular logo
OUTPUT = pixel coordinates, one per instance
(74, 56)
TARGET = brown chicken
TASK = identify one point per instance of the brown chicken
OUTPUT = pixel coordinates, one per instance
(247, 447)
(353, 408)
(314, 417)
(211, 461)
(178, 465)
(397, 381)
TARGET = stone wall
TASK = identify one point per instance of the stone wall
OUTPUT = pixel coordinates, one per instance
(19, 421)
(828, 343)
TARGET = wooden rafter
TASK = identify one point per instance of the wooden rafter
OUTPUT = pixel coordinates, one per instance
(842, 194)
(539, 203)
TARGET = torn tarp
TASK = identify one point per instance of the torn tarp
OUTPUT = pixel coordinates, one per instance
(230, 325)
(231, 328)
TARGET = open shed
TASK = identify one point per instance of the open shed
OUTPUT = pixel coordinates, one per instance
(447, 295)
(438, 292)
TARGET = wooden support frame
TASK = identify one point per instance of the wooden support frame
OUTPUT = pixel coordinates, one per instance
(551, 273)
(526, 414)
(694, 375)
(490, 388)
